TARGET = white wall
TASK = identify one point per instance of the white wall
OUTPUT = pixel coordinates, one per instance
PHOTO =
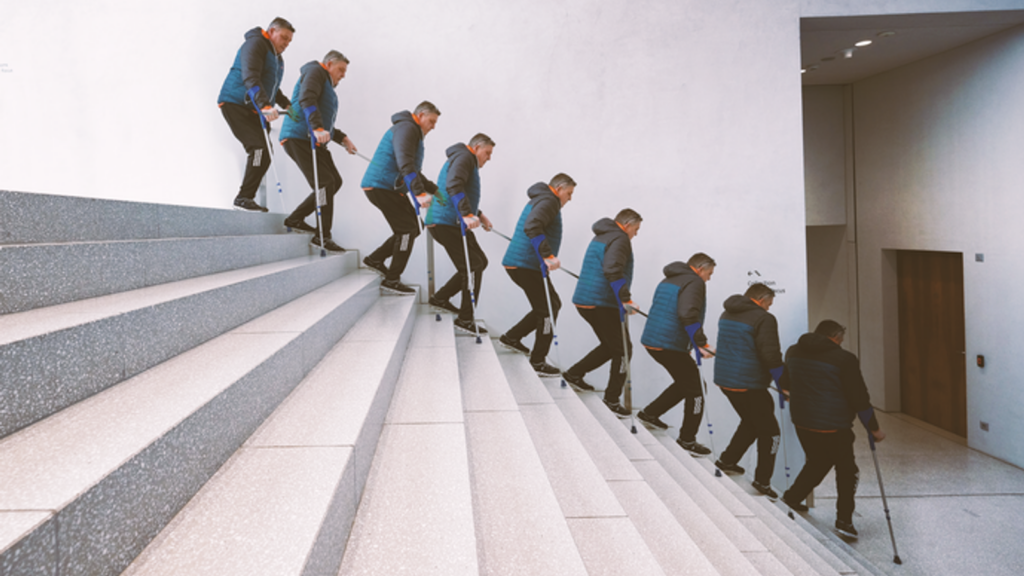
(938, 148)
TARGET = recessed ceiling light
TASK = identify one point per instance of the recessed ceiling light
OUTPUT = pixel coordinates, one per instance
(886, 34)
(863, 43)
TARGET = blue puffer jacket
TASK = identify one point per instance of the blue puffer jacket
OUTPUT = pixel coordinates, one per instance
(542, 215)
(825, 384)
(314, 88)
(609, 258)
(461, 173)
(399, 154)
(748, 345)
(256, 64)
(679, 301)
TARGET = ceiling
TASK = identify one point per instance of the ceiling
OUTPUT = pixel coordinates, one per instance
(917, 36)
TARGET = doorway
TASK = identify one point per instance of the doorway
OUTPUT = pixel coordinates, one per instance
(933, 372)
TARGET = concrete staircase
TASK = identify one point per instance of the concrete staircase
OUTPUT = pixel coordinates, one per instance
(192, 391)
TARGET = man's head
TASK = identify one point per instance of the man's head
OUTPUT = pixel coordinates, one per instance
(426, 116)
(832, 330)
(630, 221)
(482, 147)
(761, 294)
(703, 265)
(336, 65)
(280, 33)
(564, 186)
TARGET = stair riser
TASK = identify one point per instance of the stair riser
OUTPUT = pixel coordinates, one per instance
(53, 371)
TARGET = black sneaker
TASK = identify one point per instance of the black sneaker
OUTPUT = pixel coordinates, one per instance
(577, 382)
(513, 345)
(329, 245)
(396, 288)
(619, 409)
(544, 369)
(729, 468)
(469, 327)
(377, 267)
(298, 226)
(248, 204)
(442, 305)
(651, 421)
(694, 447)
(846, 530)
(765, 489)
(796, 506)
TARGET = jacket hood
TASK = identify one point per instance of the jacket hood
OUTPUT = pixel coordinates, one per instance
(677, 268)
(455, 149)
(604, 226)
(815, 343)
(308, 66)
(257, 31)
(539, 189)
(403, 116)
(738, 303)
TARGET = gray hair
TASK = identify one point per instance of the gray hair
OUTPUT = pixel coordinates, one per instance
(759, 291)
(426, 107)
(830, 328)
(281, 23)
(335, 56)
(561, 179)
(701, 260)
(480, 139)
(628, 216)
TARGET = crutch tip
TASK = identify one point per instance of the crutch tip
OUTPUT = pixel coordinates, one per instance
(564, 385)
(478, 340)
(791, 517)
(718, 473)
(633, 429)
(437, 317)
(323, 253)
(897, 560)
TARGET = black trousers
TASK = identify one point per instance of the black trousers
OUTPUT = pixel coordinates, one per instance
(685, 386)
(405, 227)
(327, 173)
(532, 284)
(608, 328)
(823, 451)
(757, 423)
(451, 238)
(245, 125)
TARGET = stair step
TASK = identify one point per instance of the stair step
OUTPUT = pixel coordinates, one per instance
(519, 525)
(416, 513)
(38, 275)
(27, 218)
(285, 502)
(113, 469)
(608, 541)
(59, 355)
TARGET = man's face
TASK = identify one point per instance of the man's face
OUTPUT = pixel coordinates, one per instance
(632, 229)
(280, 38)
(483, 154)
(337, 70)
(564, 193)
(427, 121)
(705, 272)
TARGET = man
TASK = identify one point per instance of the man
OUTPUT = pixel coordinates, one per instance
(748, 355)
(541, 221)
(258, 70)
(674, 325)
(315, 87)
(827, 391)
(607, 267)
(394, 171)
(461, 175)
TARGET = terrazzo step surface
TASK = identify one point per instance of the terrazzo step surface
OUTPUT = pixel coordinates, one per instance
(608, 540)
(519, 526)
(285, 502)
(37, 275)
(27, 218)
(86, 489)
(59, 355)
(416, 512)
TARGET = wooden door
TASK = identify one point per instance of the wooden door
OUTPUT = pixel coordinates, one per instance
(933, 374)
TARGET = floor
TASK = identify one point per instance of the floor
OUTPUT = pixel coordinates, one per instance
(955, 511)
